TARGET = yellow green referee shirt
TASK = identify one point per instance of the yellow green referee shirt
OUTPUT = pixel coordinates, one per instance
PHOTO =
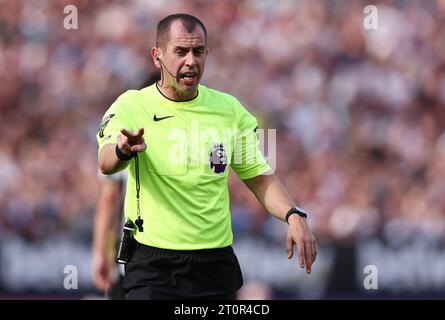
(184, 196)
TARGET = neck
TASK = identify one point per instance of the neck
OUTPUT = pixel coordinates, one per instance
(172, 93)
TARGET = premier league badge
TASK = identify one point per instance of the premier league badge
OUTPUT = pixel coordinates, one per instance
(218, 158)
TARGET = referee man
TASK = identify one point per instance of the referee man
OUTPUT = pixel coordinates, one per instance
(178, 139)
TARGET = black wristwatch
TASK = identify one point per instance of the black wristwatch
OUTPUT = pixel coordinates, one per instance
(296, 210)
(122, 156)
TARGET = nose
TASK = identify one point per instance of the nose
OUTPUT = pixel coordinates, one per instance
(190, 59)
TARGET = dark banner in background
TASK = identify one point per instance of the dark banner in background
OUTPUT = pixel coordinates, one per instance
(371, 268)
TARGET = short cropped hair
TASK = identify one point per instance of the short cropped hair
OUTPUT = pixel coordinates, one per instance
(188, 21)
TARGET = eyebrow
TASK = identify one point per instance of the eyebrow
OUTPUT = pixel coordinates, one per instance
(187, 48)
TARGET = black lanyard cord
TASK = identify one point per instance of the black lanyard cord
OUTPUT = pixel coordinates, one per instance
(139, 221)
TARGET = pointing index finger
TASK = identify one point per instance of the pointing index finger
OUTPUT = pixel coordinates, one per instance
(126, 133)
(132, 134)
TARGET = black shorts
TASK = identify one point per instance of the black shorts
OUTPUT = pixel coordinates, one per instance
(153, 273)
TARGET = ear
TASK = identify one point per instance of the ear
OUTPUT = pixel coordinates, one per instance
(155, 52)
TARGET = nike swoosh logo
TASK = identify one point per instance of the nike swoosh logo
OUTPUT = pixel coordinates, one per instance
(161, 118)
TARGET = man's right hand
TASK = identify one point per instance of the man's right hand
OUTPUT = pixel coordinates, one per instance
(131, 141)
(128, 142)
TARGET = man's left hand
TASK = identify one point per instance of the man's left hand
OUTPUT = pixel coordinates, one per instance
(299, 233)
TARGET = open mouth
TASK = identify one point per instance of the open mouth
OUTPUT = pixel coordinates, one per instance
(188, 76)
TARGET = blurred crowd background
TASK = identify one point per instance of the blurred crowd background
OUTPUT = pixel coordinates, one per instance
(360, 129)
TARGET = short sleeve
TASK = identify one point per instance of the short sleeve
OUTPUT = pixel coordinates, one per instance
(113, 121)
(247, 159)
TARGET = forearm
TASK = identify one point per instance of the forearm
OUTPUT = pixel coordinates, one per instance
(109, 163)
(105, 239)
(106, 220)
(273, 196)
(271, 193)
(104, 234)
